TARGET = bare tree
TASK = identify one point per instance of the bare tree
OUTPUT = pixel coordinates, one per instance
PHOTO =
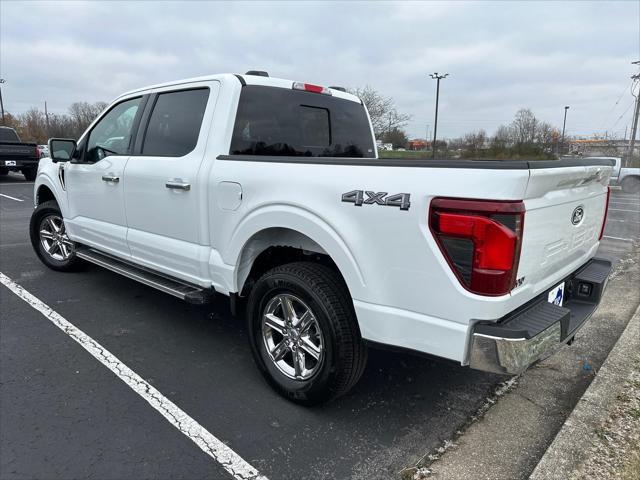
(83, 113)
(474, 142)
(546, 134)
(382, 110)
(524, 127)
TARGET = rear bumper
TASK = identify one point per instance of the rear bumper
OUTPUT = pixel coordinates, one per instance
(538, 328)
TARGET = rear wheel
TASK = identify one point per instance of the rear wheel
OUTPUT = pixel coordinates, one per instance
(304, 333)
(49, 238)
(631, 185)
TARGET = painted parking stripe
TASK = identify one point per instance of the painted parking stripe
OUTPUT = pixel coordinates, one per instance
(622, 210)
(619, 238)
(207, 442)
(12, 198)
(621, 220)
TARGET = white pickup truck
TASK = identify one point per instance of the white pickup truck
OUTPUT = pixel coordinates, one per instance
(270, 191)
(627, 177)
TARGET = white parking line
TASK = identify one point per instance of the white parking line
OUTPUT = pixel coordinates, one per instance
(621, 210)
(619, 220)
(209, 444)
(12, 198)
(618, 238)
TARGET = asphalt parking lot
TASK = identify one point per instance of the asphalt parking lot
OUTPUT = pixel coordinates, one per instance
(64, 415)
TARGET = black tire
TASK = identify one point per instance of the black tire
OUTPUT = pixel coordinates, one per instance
(631, 185)
(43, 212)
(344, 353)
(29, 174)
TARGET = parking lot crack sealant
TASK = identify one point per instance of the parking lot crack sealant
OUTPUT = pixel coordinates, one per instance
(206, 441)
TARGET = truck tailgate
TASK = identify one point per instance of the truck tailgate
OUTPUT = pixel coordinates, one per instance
(565, 209)
(11, 150)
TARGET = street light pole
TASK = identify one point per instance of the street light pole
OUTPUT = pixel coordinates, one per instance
(1, 104)
(564, 124)
(436, 77)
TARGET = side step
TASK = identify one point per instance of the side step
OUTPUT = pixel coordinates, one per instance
(185, 291)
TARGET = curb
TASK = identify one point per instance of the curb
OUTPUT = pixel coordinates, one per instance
(572, 444)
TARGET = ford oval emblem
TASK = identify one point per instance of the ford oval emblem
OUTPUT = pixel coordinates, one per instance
(578, 215)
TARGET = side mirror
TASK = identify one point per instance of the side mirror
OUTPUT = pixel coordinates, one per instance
(61, 149)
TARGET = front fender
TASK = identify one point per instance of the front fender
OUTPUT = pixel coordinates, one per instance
(305, 222)
(48, 176)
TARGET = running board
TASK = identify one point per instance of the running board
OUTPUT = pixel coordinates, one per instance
(184, 291)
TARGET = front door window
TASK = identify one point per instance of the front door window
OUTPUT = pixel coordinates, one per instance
(113, 133)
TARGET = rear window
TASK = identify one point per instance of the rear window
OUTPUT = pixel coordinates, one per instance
(8, 135)
(277, 121)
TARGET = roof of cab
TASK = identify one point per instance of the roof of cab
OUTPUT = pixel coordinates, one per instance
(248, 79)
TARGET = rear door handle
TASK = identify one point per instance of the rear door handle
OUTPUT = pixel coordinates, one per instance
(178, 185)
(110, 178)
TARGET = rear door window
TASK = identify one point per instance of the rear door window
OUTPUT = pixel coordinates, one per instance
(175, 122)
(278, 121)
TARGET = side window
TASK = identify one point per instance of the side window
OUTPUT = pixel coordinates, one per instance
(174, 125)
(112, 134)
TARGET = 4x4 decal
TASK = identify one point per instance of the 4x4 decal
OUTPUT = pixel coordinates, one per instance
(401, 200)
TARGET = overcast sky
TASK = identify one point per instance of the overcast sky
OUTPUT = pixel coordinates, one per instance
(501, 56)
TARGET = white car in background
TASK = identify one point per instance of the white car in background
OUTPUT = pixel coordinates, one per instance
(44, 150)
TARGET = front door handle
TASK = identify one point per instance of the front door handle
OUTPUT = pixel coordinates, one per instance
(111, 178)
(178, 185)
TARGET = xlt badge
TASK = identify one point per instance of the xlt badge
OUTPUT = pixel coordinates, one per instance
(357, 197)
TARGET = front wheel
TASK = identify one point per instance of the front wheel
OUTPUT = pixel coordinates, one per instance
(49, 238)
(304, 333)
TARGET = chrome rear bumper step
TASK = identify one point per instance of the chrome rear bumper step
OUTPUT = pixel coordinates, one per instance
(184, 291)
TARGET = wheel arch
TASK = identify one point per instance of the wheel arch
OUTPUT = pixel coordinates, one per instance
(46, 189)
(296, 229)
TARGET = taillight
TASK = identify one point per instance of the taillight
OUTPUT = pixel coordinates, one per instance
(37, 151)
(308, 87)
(606, 212)
(480, 240)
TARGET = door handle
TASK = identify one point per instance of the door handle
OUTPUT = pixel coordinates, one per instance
(178, 185)
(110, 178)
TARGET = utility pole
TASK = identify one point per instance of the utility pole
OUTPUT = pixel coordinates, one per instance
(1, 104)
(636, 113)
(46, 117)
(564, 124)
(436, 77)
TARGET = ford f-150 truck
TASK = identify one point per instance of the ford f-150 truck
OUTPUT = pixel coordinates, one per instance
(16, 155)
(270, 191)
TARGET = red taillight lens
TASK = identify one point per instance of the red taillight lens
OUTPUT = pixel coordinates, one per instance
(481, 241)
(606, 212)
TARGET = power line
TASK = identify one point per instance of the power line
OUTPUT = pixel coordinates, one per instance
(616, 104)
